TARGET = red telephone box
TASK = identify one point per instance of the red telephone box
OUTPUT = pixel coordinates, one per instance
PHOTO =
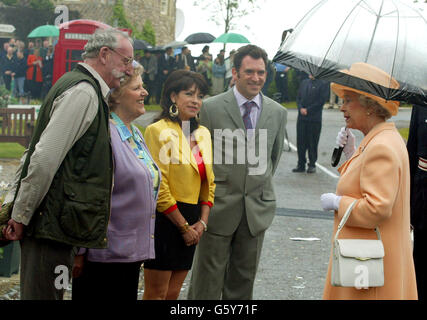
(73, 36)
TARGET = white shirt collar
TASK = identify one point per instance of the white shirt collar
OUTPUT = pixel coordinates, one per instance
(241, 99)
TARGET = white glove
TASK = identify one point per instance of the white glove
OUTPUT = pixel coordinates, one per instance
(346, 139)
(330, 201)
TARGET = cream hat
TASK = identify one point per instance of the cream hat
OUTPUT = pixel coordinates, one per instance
(368, 72)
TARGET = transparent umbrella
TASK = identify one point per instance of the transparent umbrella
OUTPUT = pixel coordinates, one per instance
(388, 34)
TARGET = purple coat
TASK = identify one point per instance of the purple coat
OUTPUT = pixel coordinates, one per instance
(130, 231)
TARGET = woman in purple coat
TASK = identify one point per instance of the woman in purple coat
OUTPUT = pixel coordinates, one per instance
(113, 273)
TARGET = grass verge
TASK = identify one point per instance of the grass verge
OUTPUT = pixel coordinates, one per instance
(11, 150)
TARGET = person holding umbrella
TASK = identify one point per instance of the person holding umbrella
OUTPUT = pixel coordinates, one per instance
(376, 174)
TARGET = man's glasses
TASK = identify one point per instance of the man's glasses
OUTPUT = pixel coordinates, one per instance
(126, 60)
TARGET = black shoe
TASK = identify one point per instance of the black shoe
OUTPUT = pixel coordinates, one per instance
(311, 170)
(298, 169)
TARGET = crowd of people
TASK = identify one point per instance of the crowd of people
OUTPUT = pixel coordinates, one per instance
(31, 68)
(216, 72)
(97, 196)
(157, 66)
(27, 69)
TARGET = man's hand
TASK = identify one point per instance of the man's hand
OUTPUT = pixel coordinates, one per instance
(303, 111)
(14, 230)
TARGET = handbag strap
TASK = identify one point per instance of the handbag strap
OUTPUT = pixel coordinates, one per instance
(345, 218)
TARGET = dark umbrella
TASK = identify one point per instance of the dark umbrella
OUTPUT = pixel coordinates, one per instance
(156, 49)
(200, 37)
(139, 44)
(387, 34)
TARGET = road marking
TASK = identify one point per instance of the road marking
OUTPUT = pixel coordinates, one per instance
(328, 172)
(305, 213)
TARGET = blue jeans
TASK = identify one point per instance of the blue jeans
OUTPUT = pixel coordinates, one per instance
(19, 86)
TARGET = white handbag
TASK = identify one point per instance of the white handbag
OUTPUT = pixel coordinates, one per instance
(357, 263)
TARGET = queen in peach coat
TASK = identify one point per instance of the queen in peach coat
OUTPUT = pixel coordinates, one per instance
(376, 174)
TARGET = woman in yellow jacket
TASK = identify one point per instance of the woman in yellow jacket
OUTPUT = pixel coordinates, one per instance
(183, 151)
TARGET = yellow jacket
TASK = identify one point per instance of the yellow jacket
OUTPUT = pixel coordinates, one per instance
(180, 174)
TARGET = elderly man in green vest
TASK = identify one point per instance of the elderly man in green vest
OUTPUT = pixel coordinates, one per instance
(63, 186)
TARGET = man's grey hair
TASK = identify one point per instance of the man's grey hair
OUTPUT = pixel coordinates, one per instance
(103, 38)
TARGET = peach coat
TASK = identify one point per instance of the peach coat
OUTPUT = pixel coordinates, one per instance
(377, 175)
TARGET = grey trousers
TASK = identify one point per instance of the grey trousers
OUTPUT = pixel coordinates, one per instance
(225, 266)
(45, 269)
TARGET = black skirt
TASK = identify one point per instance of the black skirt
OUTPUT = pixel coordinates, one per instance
(170, 249)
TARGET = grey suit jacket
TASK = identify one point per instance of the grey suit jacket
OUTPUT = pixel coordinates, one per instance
(243, 167)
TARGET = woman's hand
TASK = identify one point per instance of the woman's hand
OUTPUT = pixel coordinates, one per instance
(347, 140)
(78, 266)
(330, 201)
(191, 236)
(199, 227)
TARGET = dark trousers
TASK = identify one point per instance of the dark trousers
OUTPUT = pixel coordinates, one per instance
(107, 281)
(35, 88)
(159, 87)
(7, 81)
(282, 85)
(45, 269)
(420, 262)
(150, 85)
(308, 134)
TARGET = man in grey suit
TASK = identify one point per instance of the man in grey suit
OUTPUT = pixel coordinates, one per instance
(247, 130)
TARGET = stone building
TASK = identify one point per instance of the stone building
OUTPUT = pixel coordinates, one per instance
(161, 14)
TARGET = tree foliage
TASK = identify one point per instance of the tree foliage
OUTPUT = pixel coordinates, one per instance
(227, 12)
(27, 15)
(119, 17)
(35, 4)
(148, 34)
(120, 20)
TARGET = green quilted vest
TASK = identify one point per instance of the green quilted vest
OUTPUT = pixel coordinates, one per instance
(76, 208)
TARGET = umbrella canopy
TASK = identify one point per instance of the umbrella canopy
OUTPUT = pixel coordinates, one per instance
(44, 31)
(141, 45)
(200, 37)
(175, 44)
(387, 34)
(231, 38)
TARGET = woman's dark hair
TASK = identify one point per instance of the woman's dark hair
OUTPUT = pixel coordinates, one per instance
(249, 50)
(176, 82)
